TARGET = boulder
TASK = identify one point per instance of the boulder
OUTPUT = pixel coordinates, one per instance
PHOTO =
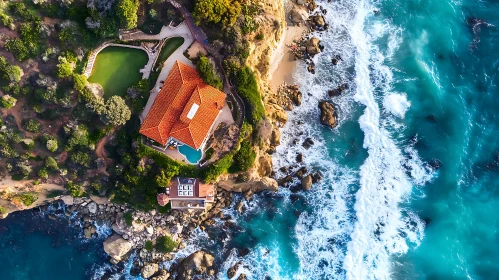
(319, 20)
(308, 143)
(67, 199)
(197, 263)
(339, 90)
(92, 207)
(162, 275)
(306, 182)
(116, 247)
(298, 16)
(277, 113)
(255, 185)
(240, 207)
(275, 138)
(313, 46)
(295, 97)
(149, 270)
(265, 165)
(327, 117)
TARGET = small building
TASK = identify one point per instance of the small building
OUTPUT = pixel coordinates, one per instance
(190, 193)
(184, 110)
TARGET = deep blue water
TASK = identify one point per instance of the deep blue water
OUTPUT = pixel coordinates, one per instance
(410, 175)
(33, 246)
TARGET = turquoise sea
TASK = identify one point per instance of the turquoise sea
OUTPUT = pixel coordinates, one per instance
(409, 175)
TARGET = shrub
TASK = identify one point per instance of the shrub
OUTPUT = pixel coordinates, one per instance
(128, 216)
(27, 198)
(116, 111)
(80, 82)
(18, 49)
(208, 73)
(42, 173)
(76, 190)
(8, 101)
(51, 163)
(3, 210)
(212, 172)
(64, 68)
(148, 246)
(81, 158)
(127, 13)
(248, 89)
(32, 125)
(245, 157)
(54, 193)
(217, 11)
(259, 36)
(165, 244)
(11, 73)
(52, 145)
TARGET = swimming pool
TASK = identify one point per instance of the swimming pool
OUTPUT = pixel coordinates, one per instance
(193, 156)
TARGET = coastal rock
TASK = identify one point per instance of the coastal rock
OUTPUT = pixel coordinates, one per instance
(231, 272)
(308, 143)
(275, 137)
(306, 182)
(265, 165)
(298, 16)
(162, 275)
(313, 46)
(295, 97)
(327, 117)
(199, 262)
(339, 90)
(319, 20)
(276, 112)
(67, 199)
(92, 208)
(149, 270)
(117, 247)
(240, 207)
(256, 185)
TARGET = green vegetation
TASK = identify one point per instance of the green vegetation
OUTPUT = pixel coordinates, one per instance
(117, 68)
(51, 163)
(128, 216)
(27, 198)
(11, 73)
(64, 68)
(75, 189)
(245, 157)
(54, 193)
(148, 246)
(127, 13)
(116, 111)
(3, 210)
(42, 173)
(165, 244)
(208, 73)
(168, 48)
(52, 145)
(32, 125)
(80, 82)
(218, 168)
(224, 12)
(8, 101)
(248, 89)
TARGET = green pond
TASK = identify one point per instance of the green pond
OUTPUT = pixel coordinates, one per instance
(117, 68)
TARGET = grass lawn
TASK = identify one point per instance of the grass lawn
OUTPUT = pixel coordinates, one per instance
(168, 48)
(117, 68)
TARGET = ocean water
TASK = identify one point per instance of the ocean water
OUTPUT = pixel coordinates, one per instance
(410, 175)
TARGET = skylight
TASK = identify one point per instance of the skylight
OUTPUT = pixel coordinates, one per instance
(192, 111)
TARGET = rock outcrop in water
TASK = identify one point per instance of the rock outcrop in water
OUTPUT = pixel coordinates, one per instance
(198, 263)
(117, 247)
(328, 114)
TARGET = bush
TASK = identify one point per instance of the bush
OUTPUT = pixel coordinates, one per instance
(18, 49)
(76, 190)
(127, 13)
(27, 198)
(217, 11)
(245, 157)
(148, 246)
(8, 101)
(42, 173)
(80, 82)
(52, 145)
(32, 125)
(165, 244)
(208, 73)
(9, 72)
(51, 163)
(259, 36)
(54, 193)
(81, 158)
(128, 216)
(116, 111)
(248, 89)
(3, 210)
(212, 172)
(64, 68)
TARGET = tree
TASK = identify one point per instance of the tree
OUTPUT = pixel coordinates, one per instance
(208, 73)
(12, 73)
(80, 82)
(165, 244)
(116, 111)
(32, 125)
(51, 163)
(42, 173)
(81, 158)
(18, 49)
(164, 178)
(64, 68)
(8, 101)
(52, 145)
(245, 157)
(215, 11)
(127, 13)
(76, 190)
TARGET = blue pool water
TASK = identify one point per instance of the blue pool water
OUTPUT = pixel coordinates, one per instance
(193, 156)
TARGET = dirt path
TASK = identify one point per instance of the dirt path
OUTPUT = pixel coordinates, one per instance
(101, 152)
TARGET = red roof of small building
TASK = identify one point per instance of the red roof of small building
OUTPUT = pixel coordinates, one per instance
(184, 109)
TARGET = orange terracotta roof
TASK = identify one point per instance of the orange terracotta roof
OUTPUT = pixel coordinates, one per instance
(184, 109)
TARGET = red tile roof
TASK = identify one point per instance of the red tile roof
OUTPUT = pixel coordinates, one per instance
(168, 116)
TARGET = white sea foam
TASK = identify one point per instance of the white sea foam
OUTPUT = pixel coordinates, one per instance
(397, 104)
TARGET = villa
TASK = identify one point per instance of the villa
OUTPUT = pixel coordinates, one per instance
(184, 110)
(187, 193)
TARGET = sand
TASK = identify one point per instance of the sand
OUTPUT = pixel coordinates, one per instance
(283, 63)
(195, 49)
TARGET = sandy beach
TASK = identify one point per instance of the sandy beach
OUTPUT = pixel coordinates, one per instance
(283, 62)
